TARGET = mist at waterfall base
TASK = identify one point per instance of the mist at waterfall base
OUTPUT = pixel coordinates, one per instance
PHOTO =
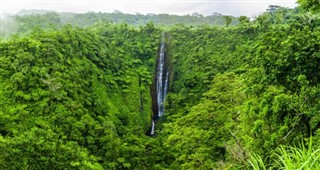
(162, 83)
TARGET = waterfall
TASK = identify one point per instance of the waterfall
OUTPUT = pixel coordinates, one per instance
(162, 82)
(152, 128)
(166, 86)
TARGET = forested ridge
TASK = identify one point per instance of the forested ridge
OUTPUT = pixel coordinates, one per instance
(242, 96)
(27, 20)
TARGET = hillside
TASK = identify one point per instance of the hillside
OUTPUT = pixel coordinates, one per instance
(25, 20)
(116, 96)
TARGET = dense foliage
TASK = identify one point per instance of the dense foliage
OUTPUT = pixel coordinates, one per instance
(26, 19)
(75, 98)
(241, 96)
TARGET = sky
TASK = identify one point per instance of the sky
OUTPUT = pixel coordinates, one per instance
(249, 8)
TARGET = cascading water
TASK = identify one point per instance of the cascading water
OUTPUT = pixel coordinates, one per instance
(161, 83)
(166, 86)
(152, 128)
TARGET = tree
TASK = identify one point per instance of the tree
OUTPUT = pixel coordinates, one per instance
(244, 20)
(310, 5)
(227, 20)
(272, 8)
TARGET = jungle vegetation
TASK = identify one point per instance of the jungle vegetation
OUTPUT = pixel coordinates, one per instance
(242, 96)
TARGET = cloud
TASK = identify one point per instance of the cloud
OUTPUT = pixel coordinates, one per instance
(180, 7)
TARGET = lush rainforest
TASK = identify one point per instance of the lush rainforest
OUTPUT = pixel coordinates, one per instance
(242, 94)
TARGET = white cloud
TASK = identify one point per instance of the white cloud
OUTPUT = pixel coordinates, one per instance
(180, 7)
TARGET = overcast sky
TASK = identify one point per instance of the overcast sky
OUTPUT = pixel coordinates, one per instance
(206, 7)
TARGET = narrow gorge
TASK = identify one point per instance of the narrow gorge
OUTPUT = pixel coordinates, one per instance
(161, 81)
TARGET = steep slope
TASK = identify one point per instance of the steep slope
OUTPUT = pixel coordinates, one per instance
(72, 98)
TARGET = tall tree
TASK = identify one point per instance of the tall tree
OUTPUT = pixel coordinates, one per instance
(227, 20)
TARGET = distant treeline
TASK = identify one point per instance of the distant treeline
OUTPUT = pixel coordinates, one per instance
(24, 20)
